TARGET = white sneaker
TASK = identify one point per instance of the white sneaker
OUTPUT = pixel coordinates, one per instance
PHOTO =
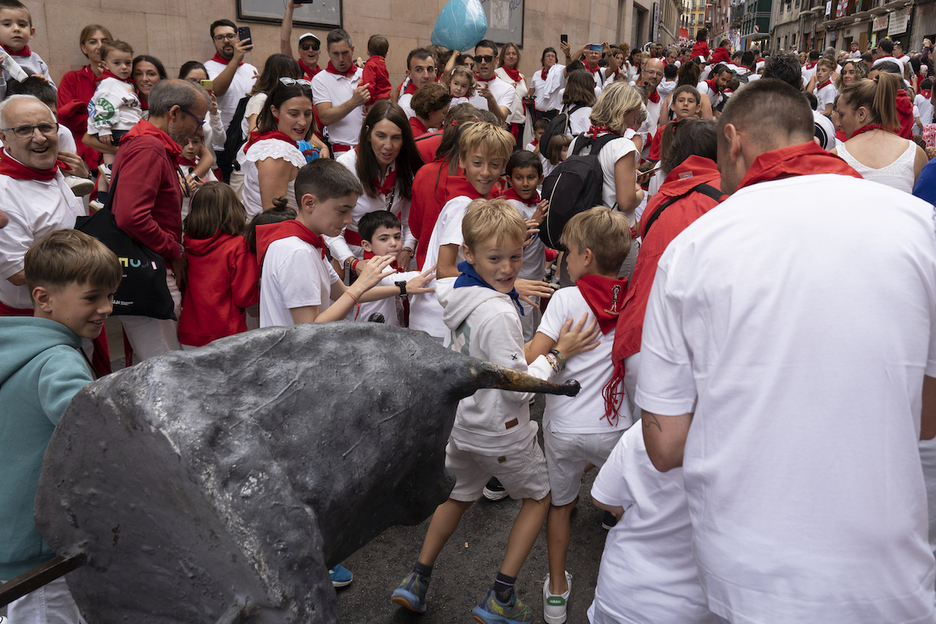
(79, 186)
(95, 205)
(105, 171)
(554, 605)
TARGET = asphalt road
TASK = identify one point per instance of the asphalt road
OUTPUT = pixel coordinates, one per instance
(466, 568)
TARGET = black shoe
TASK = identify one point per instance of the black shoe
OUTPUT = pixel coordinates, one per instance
(494, 491)
(608, 522)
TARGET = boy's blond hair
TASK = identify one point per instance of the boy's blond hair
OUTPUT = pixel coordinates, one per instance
(69, 256)
(109, 46)
(492, 218)
(491, 141)
(604, 231)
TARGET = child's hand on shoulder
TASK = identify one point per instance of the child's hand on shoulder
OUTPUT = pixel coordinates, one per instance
(578, 339)
(533, 288)
(417, 285)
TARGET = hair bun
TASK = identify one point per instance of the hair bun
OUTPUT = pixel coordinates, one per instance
(280, 203)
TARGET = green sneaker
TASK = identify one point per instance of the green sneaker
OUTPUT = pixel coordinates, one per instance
(493, 611)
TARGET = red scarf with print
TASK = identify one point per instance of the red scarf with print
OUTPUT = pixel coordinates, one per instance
(604, 297)
(256, 137)
(106, 73)
(217, 58)
(347, 74)
(810, 65)
(12, 168)
(511, 193)
(24, 52)
(513, 73)
(308, 73)
(787, 162)
(272, 232)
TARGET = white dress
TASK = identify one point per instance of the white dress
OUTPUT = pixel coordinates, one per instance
(898, 174)
(261, 150)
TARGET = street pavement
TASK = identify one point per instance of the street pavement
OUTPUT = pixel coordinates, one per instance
(466, 568)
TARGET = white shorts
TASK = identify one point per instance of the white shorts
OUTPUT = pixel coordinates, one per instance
(50, 604)
(566, 456)
(523, 474)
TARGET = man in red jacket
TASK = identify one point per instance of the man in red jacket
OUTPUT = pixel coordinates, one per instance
(147, 196)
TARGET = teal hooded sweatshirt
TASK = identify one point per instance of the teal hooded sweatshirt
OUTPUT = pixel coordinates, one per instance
(40, 371)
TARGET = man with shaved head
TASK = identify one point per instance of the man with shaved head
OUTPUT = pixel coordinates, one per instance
(791, 370)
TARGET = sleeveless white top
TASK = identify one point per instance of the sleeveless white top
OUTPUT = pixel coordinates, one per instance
(898, 174)
(261, 150)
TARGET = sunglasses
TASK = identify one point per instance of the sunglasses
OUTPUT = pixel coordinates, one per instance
(484, 58)
(309, 46)
(292, 81)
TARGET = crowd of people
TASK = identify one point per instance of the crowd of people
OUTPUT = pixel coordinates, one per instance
(753, 279)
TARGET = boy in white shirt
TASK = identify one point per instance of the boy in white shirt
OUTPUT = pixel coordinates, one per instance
(647, 571)
(381, 235)
(299, 284)
(825, 89)
(586, 429)
(15, 38)
(493, 434)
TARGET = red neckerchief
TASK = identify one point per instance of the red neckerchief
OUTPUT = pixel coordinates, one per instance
(388, 183)
(711, 83)
(143, 103)
(145, 128)
(24, 52)
(604, 296)
(810, 65)
(534, 142)
(185, 162)
(927, 93)
(106, 73)
(593, 71)
(217, 58)
(804, 159)
(367, 255)
(654, 97)
(272, 232)
(12, 168)
(513, 73)
(823, 85)
(271, 134)
(308, 72)
(410, 88)
(594, 131)
(511, 193)
(867, 128)
(883, 56)
(460, 187)
(480, 79)
(347, 74)
(544, 73)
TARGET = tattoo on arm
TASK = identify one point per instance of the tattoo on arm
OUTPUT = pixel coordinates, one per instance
(650, 420)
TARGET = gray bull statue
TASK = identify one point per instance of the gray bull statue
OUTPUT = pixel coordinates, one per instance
(219, 485)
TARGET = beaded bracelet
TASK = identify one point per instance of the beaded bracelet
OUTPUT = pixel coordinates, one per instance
(553, 362)
(562, 360)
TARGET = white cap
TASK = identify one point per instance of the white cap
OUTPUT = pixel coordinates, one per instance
(307, 36)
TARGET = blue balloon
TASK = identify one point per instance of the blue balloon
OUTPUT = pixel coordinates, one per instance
(460, 26)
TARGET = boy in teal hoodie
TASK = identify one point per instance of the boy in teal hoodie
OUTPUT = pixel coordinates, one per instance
(71, 278)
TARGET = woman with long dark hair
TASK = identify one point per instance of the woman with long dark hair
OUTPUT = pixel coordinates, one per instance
(509, 72)
(271, 158)
(385, 161)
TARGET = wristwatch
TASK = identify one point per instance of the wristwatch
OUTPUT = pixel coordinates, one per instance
(402, 287)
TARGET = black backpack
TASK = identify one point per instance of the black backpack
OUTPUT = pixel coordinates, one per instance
(574, 186)
(558, 126)
(235, 135)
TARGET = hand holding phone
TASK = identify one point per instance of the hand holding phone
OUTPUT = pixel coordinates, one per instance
(594, 47)
(564, 38)
(243, 34)
(207, 85)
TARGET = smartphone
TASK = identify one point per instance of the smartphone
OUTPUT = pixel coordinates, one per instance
(564, 38)
(595, 47)
(302, 1)
(243, 32)
(207, 85)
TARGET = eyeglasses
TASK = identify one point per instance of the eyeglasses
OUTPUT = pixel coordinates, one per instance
(201, 122)
(228, 37)
(26, 132)
(292, 81)
(308, 46)
(484, 58)
(650, 72)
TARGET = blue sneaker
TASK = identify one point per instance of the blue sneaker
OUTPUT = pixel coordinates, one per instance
(340, 576)
(493, 611)
(412, 593)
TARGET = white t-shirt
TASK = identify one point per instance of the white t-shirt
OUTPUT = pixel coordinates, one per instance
(36, 208)
(647, 571)
(801, 464)
(578, 121)
(807, 74)
(925, 107)
(583, 413)
(336, 90)
(386, 306)
(294, 275)
(608, 157)
(503, 94)
(825, 95)
(406, 103)
(517, 113)
(892, 59)
(425, 310)
(241, 85)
